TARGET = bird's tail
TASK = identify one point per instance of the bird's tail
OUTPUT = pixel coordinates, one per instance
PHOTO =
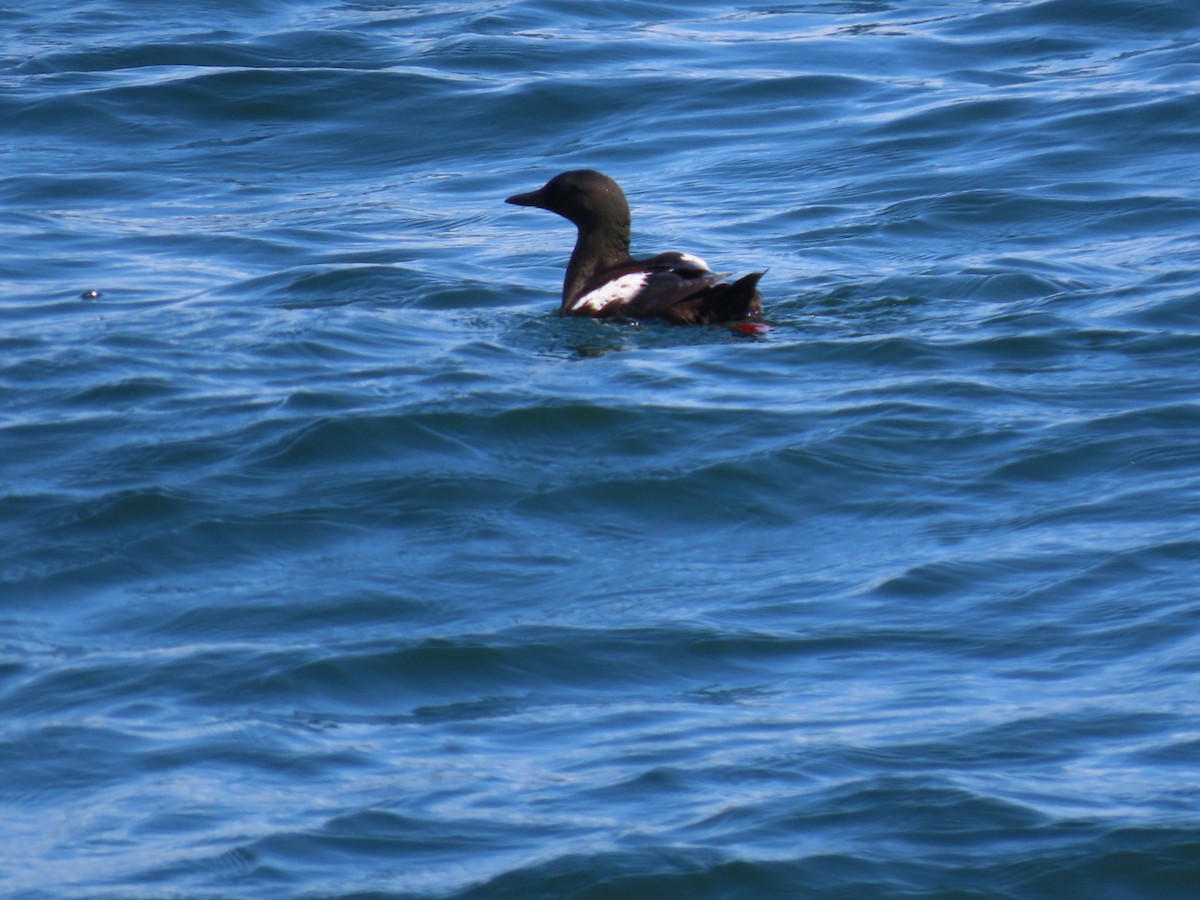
(740, 300)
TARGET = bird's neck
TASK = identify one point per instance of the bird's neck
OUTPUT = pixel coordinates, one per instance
(596, 249)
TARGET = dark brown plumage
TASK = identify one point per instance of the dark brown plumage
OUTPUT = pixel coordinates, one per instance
(603, 280)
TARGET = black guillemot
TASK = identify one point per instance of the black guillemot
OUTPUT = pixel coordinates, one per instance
(603, 280)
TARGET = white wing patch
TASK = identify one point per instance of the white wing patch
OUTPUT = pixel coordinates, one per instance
(695, 262)
(619, 290)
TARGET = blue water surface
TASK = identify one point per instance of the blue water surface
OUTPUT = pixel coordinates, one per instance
(333, 562)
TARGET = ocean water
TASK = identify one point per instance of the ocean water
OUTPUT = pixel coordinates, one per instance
(334, 563)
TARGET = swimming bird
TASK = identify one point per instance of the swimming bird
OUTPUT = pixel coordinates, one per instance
(603, 280)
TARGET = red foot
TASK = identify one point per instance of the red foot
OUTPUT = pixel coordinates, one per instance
(751, 327)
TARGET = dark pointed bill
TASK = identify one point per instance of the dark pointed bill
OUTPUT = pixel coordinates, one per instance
(529, 198)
